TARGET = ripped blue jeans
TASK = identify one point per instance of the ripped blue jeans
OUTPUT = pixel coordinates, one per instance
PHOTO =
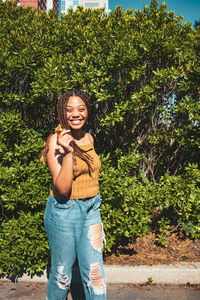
(74, 229)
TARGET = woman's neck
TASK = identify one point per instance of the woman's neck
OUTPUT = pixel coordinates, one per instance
(77, 135)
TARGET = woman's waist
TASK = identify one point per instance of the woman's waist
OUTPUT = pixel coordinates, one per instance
(74, 195)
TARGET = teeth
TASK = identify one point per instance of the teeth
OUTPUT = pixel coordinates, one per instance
(75, 122)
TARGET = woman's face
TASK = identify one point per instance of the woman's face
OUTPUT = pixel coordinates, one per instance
(76, 112)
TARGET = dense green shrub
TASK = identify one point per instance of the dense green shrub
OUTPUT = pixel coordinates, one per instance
(133, 207)
(142, 72)
(24, 187)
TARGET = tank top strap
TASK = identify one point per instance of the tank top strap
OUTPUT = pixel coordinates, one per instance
(90, 138)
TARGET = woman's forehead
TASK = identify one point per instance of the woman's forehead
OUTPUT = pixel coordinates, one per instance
(75, 101)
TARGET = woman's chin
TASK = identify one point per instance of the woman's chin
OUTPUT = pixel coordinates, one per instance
(76, 126)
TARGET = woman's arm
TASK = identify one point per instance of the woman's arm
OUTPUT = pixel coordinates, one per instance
(60, 161)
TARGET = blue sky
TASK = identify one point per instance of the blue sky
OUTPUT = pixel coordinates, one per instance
(190, 9)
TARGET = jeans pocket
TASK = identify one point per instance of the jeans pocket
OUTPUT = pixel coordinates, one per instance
(63, 204)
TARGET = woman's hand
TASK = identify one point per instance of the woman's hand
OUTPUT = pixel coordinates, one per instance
(64, 139)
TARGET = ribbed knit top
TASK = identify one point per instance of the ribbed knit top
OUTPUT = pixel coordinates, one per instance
(86, 185)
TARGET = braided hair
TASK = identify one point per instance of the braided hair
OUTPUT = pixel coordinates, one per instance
(61, 111)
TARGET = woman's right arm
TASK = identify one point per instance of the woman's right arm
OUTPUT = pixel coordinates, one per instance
(60, 162)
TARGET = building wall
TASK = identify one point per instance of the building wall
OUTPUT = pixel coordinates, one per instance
(31, 3)
(65, 4)
(49, 4)
(95, 4)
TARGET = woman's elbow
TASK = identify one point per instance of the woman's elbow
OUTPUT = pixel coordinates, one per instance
(62, 189)
(63, 192)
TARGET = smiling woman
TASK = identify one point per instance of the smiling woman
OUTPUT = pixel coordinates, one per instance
(72, 217)
(64, 104)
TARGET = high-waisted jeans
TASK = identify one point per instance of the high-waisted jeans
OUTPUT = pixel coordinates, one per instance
(74, 229)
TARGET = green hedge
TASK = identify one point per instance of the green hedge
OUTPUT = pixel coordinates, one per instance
(142, 72)
(133, 207)
(24, 186)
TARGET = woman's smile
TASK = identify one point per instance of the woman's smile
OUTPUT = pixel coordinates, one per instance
(76, 121)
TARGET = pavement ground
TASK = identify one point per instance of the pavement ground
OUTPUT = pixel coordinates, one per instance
(37, 291)
(160, 282)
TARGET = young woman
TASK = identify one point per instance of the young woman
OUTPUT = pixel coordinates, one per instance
(72, 218)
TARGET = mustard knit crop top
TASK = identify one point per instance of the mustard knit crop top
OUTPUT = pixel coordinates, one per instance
(85, 185)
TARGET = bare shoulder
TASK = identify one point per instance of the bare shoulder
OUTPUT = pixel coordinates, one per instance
(54, 155)
(52, 141)
(53, 147)
(91, 139)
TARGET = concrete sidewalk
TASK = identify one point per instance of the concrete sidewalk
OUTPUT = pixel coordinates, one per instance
(157, 274)
(178, 274)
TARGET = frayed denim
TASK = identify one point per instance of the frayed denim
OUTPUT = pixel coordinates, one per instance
(74, 229)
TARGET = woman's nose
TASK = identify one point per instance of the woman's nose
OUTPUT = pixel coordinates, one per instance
(75, 113)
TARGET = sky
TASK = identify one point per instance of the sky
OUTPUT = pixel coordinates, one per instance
(190, 9)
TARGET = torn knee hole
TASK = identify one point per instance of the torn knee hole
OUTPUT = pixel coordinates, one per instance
(96, 279)
(63, 279)
(96, 236)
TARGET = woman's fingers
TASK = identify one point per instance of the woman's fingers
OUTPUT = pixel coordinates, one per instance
(68, 131)
(64, 135)
(65, 131)
(64, 139)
